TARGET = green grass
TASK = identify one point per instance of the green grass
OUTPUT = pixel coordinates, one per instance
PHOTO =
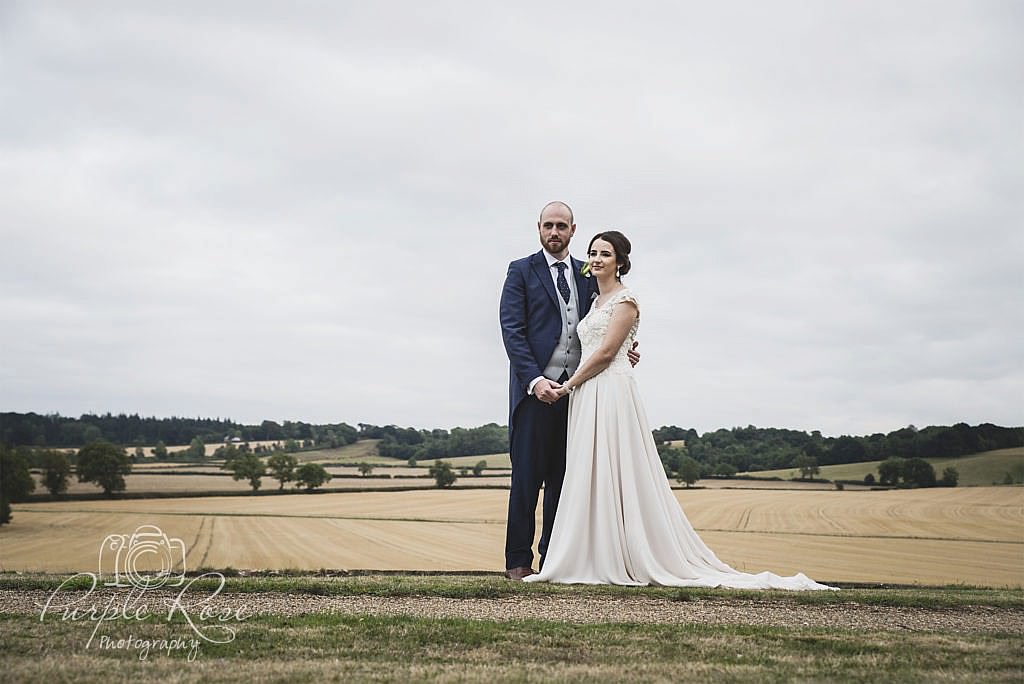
(365, 451)
(985, 468)
(347, 647)
(493, 586)
(363, 646)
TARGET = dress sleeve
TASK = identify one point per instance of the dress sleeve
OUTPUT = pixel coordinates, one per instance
(628, 296)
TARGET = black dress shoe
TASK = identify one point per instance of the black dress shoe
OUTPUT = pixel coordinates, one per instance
(517, 574)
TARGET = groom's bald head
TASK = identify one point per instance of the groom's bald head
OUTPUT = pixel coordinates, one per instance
(556, 228)
(559, 204)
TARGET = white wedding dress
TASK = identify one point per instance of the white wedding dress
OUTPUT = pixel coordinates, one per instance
(617, 520)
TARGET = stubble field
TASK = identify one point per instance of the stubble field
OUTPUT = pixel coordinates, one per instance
(972, 536)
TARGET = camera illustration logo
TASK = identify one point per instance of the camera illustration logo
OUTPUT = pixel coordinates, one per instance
(146, 559)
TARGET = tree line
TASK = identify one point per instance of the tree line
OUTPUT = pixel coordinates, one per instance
(421, 445)
(55, 430)
(721, 451)
(725, 452)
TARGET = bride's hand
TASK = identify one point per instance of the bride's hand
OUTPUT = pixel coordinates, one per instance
(547, 391)
(633, 354)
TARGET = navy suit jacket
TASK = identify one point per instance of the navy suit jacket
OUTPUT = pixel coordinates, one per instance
(531, 323)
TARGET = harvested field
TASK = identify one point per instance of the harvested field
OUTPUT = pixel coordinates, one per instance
(165, 467)
(493, 461)
(365, 450)
(187, 478)
(971, 535)
(161, 483)
(216, 480)
(210, 448)
(738, 483)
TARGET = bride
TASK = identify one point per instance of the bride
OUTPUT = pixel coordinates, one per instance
(617, 520)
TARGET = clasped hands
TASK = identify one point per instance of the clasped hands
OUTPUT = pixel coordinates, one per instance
(550, 391)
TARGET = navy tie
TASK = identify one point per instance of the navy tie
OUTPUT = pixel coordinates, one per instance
(563, 285)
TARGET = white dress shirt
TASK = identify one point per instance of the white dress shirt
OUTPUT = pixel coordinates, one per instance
(569, 278)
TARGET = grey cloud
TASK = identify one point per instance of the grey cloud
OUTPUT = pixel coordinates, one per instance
(247, 210)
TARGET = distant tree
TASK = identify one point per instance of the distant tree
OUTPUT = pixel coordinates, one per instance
(92, 434)
(902, 443)
(869, 479)
(670, 457)
(443, 474)
(847, 449)
(950, 477)
(365, 469)
(226, 453)
(104, 464)
(246, 467)
(918, 472)
(16, 481)
(669, 433)
(291, 446)
(56, 471)
(891, 470)
(808, 466)
(814, 450)
(139, 454)
(723, 469)
(196, 450)
(160, 450)
(411, 462)
(404, 443)
(689, 471)
(463, 471)
(478, 469)
(311, 475)
(282, 467)
(270, 430)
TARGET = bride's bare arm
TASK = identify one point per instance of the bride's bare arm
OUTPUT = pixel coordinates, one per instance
(623, 315)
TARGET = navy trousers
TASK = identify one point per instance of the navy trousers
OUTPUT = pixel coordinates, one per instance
(538, 458)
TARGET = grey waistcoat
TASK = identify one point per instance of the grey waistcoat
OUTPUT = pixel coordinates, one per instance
(568, 350)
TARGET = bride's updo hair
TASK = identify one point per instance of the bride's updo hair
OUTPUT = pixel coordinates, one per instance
(620, 243)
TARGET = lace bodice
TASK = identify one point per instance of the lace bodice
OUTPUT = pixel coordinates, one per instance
(594, 325)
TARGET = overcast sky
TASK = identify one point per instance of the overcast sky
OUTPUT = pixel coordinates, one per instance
(305, 210)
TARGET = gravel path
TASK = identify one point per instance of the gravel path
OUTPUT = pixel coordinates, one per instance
(582, 609)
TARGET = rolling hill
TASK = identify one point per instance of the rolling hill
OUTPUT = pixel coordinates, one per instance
(985, 468)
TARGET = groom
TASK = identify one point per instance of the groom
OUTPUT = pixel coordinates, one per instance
(542, 300)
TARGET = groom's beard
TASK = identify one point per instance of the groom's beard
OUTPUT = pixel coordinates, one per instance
(556, 247)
